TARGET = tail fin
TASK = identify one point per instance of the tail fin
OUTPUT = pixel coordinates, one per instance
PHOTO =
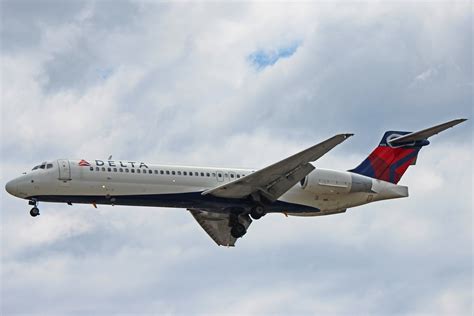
(397, 151)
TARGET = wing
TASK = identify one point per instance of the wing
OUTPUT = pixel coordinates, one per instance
(217, 225)
(271, 182)
(426, 133)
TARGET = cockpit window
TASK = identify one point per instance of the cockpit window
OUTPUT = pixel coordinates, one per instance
(44, 165)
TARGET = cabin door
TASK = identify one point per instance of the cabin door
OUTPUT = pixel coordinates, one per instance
(64, 169)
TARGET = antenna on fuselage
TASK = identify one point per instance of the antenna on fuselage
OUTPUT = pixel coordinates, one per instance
(110, 157)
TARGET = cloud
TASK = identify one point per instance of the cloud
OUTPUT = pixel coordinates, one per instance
(172, 83)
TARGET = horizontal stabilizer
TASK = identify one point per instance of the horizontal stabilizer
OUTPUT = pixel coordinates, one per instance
(424, 134)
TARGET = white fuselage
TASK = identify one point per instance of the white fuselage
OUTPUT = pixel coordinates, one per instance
(322, 192)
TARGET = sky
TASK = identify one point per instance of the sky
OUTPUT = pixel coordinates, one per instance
(239, 84)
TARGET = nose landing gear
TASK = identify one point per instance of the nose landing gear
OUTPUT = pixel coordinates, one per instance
(35, 210)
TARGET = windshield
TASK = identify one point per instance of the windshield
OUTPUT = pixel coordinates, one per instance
(44, 165)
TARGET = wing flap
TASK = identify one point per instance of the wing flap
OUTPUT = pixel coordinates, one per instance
(282, 184)
(276, 179)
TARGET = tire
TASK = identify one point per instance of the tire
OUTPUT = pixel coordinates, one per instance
(34, 212)
(257, 212)
(238, 230)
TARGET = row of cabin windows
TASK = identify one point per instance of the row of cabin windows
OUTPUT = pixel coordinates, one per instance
(167, 172)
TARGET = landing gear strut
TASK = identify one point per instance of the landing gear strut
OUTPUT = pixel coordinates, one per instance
(35, 210)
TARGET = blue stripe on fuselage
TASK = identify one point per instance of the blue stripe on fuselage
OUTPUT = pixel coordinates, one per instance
(175, 200)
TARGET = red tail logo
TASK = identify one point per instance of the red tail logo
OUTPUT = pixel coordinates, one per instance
(84, 163)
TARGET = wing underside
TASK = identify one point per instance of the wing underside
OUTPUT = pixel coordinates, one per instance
(217, 225)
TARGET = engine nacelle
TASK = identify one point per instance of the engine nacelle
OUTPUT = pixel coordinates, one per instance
(327, 182)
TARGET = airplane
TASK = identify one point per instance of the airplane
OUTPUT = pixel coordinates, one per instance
(224, 201)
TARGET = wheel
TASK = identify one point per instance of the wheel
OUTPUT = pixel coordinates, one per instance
(238, 230)
(257, 212)
(34, 212)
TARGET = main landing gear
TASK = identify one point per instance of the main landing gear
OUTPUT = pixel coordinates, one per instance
(241, 218)
(237, 229)
(35, 210)
(257, 212)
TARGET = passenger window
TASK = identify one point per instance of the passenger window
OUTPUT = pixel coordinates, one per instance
(121, 169)
(138, 171)
(97, 169)
(115, 169)
(162, 172)
(132, 170)
(108, 169)
(191, 173)
(150, 171)
(214, 174)
(103, 168)
(91, 168)
(156, 171)
(173, 172)
(167, 172)
(185, 173)
(231, 175)
(208, 174)
(238, 176)
(202, 174)
(196, 174)
(179, 173)
(220, 175)
(126, 170)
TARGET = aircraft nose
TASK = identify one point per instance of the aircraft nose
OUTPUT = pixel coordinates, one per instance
(12, 187)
